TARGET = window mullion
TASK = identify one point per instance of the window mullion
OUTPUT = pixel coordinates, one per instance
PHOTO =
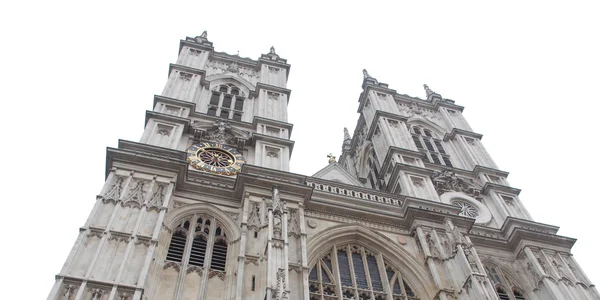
(336, 272)
(367, 273)
(383, 274)
(352, 272)
(188, 244)
(210, 243)
(220, 103)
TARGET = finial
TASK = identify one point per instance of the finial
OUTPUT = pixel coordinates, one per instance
(428, 91)
(366, 74)
(331, 158)
(272, 51)
(203, 35)
(346, 134)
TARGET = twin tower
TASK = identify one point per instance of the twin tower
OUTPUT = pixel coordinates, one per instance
(204, 205)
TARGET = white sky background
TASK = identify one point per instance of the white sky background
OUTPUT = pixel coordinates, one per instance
(76, 77)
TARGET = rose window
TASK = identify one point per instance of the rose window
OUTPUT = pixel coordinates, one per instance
(466, 208)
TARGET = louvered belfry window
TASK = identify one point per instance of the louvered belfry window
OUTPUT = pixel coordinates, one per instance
(362, 275)
(430, 145)
(190, 242)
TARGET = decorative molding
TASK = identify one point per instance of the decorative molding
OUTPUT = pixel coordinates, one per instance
(156, 201)
(114, 192)
(172, 264)
(136, 195)
(196, 269)
(448, 181)
(212, 273)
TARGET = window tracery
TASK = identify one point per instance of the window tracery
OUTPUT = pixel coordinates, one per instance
(198, 242)
(363, 274)
(227, 101)
(504, 287)
(430, 145)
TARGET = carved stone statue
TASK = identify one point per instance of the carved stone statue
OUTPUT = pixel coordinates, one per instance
(272, 51)
(447, 181)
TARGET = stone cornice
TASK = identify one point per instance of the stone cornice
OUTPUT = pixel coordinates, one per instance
(517, 233)
(168, 118)
(198, 72)
(364, 95)
(280, 63)
(379, 114)
(272, 88)
(481, 169)
(207, 46)
(272, 122)
(499, 187)
(190, 105)
(274, 140)
(146, 155)
(455, 131)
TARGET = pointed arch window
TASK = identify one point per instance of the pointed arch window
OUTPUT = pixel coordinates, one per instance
(357, 273)
(504, 287)
(227, 101)
(199, 241)
(430, 145)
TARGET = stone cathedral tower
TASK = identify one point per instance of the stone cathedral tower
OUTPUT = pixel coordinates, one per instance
(204, 206)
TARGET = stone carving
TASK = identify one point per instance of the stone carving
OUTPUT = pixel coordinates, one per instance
(196, 269)
(414, 110)
(136, 195)
(273, 96)
(311, 223)
(272, 50)
(97, 234)
(448, 181)
(172, 264)
(157, 198)
(233, 67)
(213, 273)
(293, 223)
(471, 259)
(543, 265)
(220, 134)
(195, 52)
(254, 216)
(119, 238)
(559, 269)
(428, 91)
(435, 253)
(114, 192)
(125, 296)
(70, 291)
(204, 35)
(185, 76)
(280, 291)
(535, 274)
(218, 67)
(97, 293)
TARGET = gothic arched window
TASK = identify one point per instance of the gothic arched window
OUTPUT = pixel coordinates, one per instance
(356, 273)
(504, 290)
(430, 145)
(226, 101)
(199, 241)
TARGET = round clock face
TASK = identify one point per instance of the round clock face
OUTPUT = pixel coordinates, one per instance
(215, 158)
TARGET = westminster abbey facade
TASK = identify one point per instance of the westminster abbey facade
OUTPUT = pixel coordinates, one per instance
(204, 205)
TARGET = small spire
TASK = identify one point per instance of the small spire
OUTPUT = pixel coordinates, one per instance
(272, 51)
(203, 35)
(346, 134)
(366, 74)
(331, 158)
(428, 91)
